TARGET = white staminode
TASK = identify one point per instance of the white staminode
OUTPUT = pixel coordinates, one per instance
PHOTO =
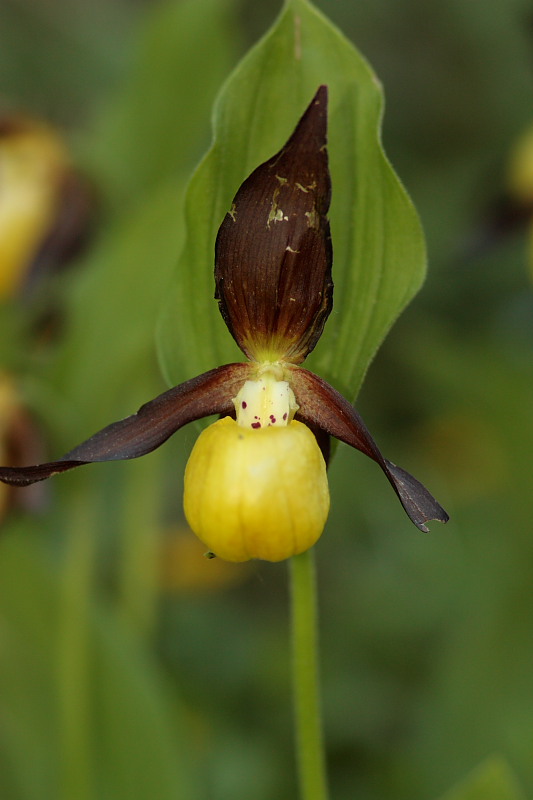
(265, 402)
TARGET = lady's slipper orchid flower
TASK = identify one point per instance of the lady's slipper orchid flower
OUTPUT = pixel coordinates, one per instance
(45, 205)
(255, 483)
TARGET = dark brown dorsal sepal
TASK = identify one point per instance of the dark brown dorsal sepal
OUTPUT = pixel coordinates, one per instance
(273, 249)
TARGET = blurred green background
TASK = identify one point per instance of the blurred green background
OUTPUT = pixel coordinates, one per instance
(129, 666)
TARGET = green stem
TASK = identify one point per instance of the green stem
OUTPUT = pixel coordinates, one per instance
(305, 678)
(138, 563)
(73, 653)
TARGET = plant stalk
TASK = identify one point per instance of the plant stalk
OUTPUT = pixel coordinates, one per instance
(73, 653)
(305, 678)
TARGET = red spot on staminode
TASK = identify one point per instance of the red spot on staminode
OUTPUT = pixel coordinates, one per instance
(244, 404)
(272, 419)
(284, 416)
(256, 425)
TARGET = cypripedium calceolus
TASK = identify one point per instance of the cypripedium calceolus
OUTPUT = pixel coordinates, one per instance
(255, 483)
(45, 205)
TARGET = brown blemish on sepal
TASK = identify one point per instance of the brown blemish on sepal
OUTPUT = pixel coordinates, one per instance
(321, 406)
(273, 250)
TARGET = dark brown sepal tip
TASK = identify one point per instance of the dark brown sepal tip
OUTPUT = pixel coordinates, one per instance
(273, 252)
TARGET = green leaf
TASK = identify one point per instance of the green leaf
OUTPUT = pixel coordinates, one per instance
(493, 780)
(379, 253)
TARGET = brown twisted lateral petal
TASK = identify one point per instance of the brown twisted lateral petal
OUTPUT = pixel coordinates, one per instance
(154, 422)
(321, 405)
(273, 249)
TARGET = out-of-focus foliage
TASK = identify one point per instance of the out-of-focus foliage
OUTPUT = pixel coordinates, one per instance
(519, 197)
(117, 678)
(78, 692)
(493, 780)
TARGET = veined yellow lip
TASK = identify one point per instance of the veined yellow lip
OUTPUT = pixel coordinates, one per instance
(256, 493)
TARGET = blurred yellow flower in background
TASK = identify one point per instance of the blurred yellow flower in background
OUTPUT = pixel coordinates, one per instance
(183, 570)
(33, 164)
